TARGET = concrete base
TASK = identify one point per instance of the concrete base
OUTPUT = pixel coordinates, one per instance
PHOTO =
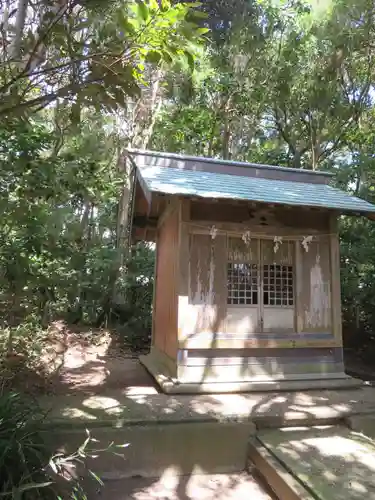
(156, 366)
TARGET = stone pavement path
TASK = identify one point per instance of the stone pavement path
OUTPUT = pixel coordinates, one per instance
(241, 486)
(332, 461)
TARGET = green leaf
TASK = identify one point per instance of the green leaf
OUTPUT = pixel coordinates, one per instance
(165, 5)
(33, 486)
(197, 15)
(126, 25)
(167, 56)
(96, 477)
(202, 31)
(153, 56)
(190, 60)
(143, 11)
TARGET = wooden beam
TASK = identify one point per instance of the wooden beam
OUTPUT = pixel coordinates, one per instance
(173, 204)
(142, 221)
(335, 279)
(298, 279)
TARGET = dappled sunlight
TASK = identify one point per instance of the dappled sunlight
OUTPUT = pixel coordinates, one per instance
(110, 405)
(331, 460)
(172, 486)
(304, 399)
(227, 404)
(135, 391)
(267, 405)
(139, 400)
(76, 414)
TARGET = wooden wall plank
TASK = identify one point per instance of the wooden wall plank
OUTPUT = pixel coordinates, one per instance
(285, 353)
(316, 293)
(259, 215)
(210, 341)
(183, 250)
(166, 286)
(298, 289)
(335, 281)
(204, 308)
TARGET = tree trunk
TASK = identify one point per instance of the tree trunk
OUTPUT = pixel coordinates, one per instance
(15, 46)
(297, 159)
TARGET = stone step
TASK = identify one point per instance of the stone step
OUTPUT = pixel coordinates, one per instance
(160, 448)
(284, 485)
(235, 486)
(362, 423)
(324, 463)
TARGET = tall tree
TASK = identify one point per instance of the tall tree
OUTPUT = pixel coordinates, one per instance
(87, 53)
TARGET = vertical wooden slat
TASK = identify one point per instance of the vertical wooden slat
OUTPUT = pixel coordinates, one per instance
(298, 289)
(207, 283)
(220, 283)
(165, 313)
(183, 248)
(199, 269)
(316, 277)
(153, 329)
(335, 279)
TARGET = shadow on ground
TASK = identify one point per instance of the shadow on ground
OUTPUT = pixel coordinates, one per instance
(331, 462)
(177, 439)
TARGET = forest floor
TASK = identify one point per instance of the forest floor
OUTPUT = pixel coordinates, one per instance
(85, 360)
(358, 365)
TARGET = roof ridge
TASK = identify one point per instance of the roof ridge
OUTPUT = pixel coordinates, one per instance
(205, 159)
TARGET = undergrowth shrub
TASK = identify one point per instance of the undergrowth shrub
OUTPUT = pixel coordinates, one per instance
(21, 356)
(22, 450)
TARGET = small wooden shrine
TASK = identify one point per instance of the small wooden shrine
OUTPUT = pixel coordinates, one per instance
(247, 276)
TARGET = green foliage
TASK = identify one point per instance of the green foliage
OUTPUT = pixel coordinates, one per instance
(23, 452)
(88, 53)
(58, 229)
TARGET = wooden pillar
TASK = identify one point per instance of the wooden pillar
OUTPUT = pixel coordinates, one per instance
(154, 289)
(183, 268)
(183, 247)
(298, 292)
(335, 279)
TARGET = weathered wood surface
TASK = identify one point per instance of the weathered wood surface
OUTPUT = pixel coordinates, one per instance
(223, 340)
(260, 217)
(166, 286)
(335, 282)
(316, 293)
(192, 313)
(204, 307)
(259, 363)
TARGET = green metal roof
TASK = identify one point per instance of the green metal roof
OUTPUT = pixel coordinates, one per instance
(177, 181)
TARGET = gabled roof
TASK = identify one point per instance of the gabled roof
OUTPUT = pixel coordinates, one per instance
(188, 176)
